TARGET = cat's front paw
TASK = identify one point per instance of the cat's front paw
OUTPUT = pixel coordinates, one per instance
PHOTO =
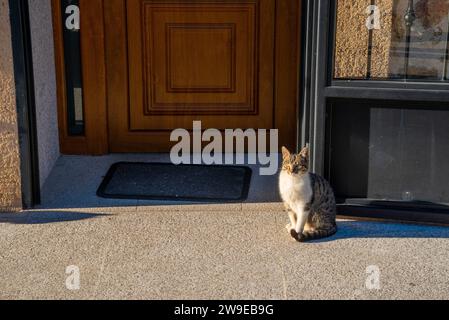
(301, 238)
(294, 234)
(297, 236)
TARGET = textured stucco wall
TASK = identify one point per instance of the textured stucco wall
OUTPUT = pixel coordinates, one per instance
(351, 48)
(10, 185)
(352, 39)
(382, 41)
(45, 85)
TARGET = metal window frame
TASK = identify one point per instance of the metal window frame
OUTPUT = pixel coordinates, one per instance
(25, 101)
(319, 89)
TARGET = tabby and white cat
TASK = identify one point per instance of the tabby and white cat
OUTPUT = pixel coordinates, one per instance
(308, 198)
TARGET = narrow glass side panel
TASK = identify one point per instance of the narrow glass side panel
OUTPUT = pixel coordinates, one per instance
(73, 70)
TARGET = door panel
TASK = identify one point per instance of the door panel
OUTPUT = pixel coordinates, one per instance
(174, 62)
(199, 61)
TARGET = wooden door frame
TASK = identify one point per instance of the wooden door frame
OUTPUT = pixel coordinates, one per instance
(103, 90)
(287, 92)
(95, 139)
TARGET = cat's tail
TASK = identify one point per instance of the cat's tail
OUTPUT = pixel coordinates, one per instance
(318, 234)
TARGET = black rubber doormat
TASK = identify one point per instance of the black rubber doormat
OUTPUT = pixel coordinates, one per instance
(163, 181)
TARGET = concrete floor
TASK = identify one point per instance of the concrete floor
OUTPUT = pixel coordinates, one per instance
(74, 181)
(145, 250)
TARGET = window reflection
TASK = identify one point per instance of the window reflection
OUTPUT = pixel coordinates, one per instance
(396, 153)
(411, 41)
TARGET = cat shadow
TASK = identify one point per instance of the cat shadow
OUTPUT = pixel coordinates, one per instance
(380, 230)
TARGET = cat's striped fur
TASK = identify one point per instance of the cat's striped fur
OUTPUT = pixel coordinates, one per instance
(308, 199)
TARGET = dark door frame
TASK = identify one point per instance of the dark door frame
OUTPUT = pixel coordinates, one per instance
(25, 101)
(320, 89)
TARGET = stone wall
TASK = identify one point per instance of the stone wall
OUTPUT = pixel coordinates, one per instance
(10, 185)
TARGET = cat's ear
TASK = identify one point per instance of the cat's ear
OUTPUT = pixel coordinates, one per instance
(305, 152)
(285, 153)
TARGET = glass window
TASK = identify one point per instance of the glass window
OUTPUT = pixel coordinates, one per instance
(392, 40)
(388, 152)
(73, 70)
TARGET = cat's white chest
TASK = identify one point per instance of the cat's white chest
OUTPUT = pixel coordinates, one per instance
(295, 189)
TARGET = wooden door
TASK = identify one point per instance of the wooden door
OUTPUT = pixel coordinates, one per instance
(230, 64)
